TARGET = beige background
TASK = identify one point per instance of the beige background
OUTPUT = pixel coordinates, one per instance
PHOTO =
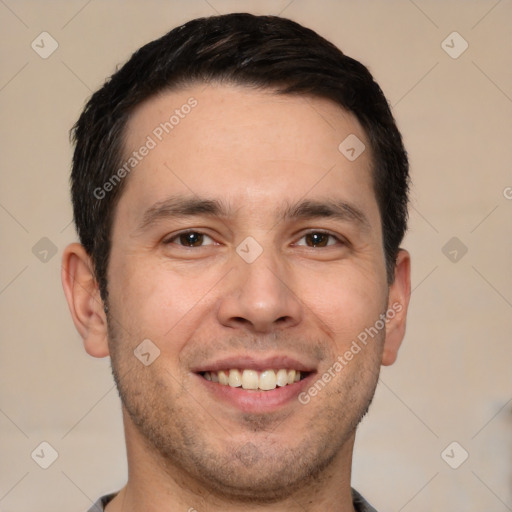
(453, 379)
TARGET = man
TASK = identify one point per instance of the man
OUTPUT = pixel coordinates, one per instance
(240, 193)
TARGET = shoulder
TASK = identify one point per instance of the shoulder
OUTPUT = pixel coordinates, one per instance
(360, 504)
(101, 503)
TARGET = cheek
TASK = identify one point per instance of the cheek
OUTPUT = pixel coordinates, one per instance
(345, 302)
(156, 301)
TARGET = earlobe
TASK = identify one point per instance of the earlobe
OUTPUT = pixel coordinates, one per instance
(84, 300)
(398, 303)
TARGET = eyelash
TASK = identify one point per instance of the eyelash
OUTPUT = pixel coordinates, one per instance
(169, 241)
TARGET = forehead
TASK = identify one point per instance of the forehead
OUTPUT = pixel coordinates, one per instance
(252, 147)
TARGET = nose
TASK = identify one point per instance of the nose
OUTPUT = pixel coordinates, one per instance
(259, 296)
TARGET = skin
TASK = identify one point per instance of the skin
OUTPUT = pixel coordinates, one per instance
(258, 152)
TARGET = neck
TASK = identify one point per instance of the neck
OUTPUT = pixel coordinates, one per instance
(155, 484)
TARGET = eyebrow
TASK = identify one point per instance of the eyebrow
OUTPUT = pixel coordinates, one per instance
(180, 206)
(327, 208)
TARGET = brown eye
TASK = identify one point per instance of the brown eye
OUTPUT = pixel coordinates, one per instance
(189, 239)
(319, 239)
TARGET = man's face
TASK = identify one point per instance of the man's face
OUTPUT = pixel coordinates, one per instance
(271, 282)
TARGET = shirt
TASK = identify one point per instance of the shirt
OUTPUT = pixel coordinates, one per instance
(360, 504)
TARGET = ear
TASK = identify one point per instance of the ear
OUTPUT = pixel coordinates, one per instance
(398, 303)
(84, 300)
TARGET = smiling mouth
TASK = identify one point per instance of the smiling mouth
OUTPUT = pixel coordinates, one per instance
(254, 380)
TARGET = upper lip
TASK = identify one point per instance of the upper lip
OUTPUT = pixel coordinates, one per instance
(250, 362)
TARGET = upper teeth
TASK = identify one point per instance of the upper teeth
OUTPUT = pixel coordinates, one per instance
(252, 379)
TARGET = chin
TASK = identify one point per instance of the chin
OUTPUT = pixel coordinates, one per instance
(262, 472)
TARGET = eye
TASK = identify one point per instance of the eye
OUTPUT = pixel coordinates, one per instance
(190, 239)
(320, 239)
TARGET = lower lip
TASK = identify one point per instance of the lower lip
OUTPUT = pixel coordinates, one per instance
(257, 401)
